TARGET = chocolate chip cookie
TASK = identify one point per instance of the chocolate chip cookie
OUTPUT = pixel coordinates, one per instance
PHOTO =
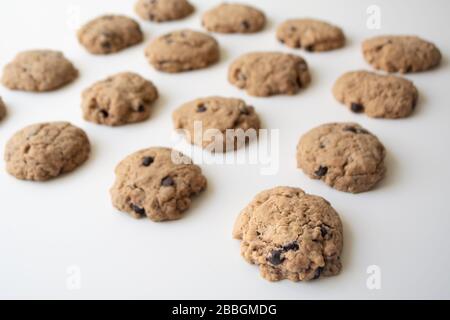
(401, 53)
(120, 99)
(2, 109)
(311, 35)
(290, 235)
(234, 18)
(110, 34)
(265, 74)
(183, 50)
(157, 183)
(217, 124)
(38, 70)
(44, 151)
(163, 10)
(378, 96)
(345, 156)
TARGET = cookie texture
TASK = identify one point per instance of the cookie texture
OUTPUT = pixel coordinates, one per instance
(269, 73)
(378, 96)
(345, 156)
(110, 34)
(234, 18)
(157, 183)
(217, 124)
(38, 70)
(163, 10)
(290, 235)
(183, 50)
(44, 151)
(401, 53)
(118, 100)
(311, 35)
(2, 109)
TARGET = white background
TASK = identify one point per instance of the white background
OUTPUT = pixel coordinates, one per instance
(402, 226)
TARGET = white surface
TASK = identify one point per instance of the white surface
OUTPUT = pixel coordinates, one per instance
(45, 228)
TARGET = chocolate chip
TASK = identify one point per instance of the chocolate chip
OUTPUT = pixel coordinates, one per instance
(281, 40)
(141, 108)
(357, 107)
(321, 171)
(293, 29)
(104, 113)
(244, 111)
(351, 129)
(137, 209)
(106, 45)
(323, 230)
(151, 17)
(293, 246)
(167, 181)
(363, 131)
(318, 273)
(146, 161)
(245, 25)
(309, 48)
(275, 257)
(201, 108)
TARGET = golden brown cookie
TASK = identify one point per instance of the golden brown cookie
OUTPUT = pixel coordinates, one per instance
(291, 235)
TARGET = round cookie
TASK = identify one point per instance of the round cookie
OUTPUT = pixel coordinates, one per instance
(234, 18)
(163, 10)
(345, 156)
(157, 183)
(46, 150)
(120, 99)
(290, 235)
(265, 74)
(182, 50)
(378, 96)
(38, 70)
(2, 109)
(225, 123)
(110, 34)
(401, 53)
(311, 35)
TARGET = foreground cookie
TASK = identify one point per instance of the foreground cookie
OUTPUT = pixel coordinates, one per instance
(344, 155)
(120, 99)
(109, 34)
(43, 151)
(290, 235)
(183, 50)
(401, 53)
(163, 10)
(217, 124)
(2, 109)
(38, 70)
(269, 73)
(379, 96)
(234, 18)
(311, 35)
(157, 183)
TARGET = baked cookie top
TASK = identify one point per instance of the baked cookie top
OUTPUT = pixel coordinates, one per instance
(378, 96)
(401, 53)
(163, 10)
(345, 156)
(269, 73)
(119, 99)
(38, 70)
(157, 183)
(46, 150)
(182, 50)
(290, 235)
(311, 35)
(234, 18)
(216, 123)
(109, 34)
